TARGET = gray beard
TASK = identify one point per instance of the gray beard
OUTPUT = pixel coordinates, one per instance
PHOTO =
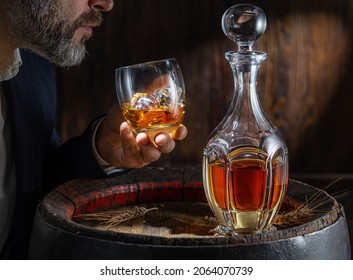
(41, 27)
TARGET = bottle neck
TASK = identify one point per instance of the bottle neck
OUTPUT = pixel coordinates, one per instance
(245, 109)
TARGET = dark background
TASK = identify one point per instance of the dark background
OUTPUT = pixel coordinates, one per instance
(305, 85)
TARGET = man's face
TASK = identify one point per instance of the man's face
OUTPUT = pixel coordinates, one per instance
(55, 29)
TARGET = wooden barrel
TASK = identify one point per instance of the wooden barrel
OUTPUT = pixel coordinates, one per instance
(177, 223)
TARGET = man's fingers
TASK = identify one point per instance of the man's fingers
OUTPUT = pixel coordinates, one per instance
(149, 151)
(140, 150)
(180, 133)
(164, 142)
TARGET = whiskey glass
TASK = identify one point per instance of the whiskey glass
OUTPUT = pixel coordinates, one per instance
(151, 96)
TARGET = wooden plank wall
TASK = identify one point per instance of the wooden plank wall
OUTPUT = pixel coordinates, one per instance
(306, 84)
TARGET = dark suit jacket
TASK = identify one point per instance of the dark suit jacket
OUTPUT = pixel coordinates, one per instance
(40, 161)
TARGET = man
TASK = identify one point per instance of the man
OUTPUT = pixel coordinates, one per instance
(52, 32)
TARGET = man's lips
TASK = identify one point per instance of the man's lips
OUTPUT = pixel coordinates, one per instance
(87, 28)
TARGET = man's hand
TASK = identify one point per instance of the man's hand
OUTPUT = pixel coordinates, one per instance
(120, 148)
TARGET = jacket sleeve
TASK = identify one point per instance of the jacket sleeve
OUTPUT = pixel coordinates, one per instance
(74, 159)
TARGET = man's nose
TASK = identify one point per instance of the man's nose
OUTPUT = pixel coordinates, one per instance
(101, 5)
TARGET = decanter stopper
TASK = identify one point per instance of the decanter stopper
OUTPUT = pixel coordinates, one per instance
(243, 24)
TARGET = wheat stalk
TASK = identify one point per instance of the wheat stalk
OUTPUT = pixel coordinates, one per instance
(112, 218)
(309, 208)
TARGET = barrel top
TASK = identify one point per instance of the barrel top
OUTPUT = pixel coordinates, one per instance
(181, 214)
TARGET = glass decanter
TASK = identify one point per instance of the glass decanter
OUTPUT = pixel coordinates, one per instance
(245, 161)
